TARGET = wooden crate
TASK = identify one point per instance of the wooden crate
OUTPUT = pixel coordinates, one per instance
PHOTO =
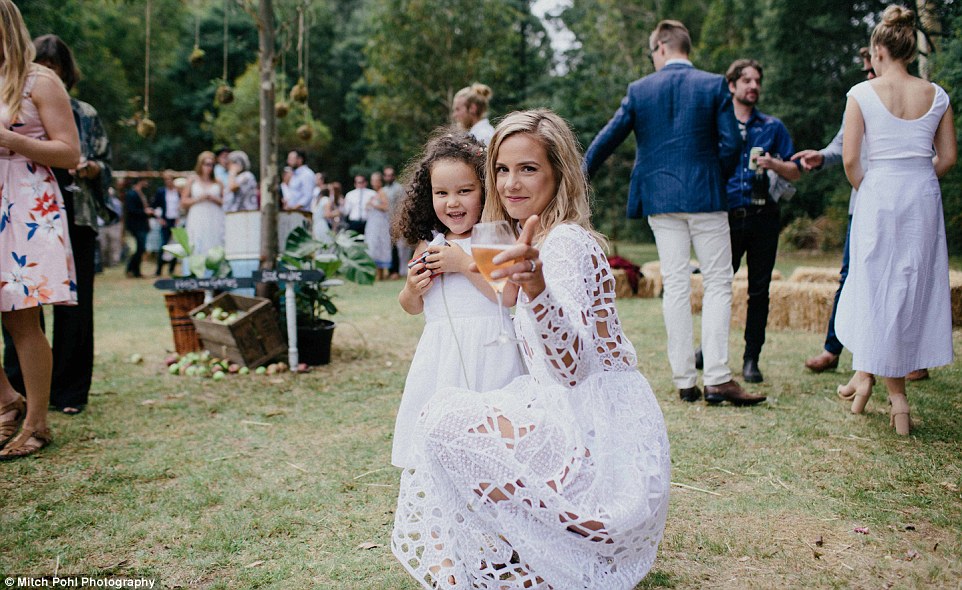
(253, 340)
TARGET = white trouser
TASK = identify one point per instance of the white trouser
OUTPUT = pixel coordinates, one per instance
(675, 234)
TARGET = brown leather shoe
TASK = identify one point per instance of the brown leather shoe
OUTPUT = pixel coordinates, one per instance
(731, 392)
(918, 375)
(822, 362)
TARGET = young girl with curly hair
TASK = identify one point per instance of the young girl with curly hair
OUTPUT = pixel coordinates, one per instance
(443, 201)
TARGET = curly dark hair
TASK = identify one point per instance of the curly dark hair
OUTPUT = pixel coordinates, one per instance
(415, 218)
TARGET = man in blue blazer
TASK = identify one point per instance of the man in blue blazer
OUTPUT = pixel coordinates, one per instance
(687, 144)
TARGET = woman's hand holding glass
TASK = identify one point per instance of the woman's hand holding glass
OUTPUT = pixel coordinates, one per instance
(526, 269)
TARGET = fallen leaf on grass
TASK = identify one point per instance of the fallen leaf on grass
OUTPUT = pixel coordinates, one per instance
(148, 402)
(819, 541)
(862, 530)
(368, 545)
(745, 558)
(254, 564)
(816, 554)
(911, 555)
(949, 486)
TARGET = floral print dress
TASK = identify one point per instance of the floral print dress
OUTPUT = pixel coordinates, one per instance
(36, 262)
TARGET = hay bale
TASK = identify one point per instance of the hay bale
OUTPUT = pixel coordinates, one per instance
(622, 286)
(742, 274)
(792, 306)
(955, 284)
(651, 283)
(815, 274)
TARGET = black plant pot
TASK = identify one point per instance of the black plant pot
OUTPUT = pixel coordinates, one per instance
(314, 344)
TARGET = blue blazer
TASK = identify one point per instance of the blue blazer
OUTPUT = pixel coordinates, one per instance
(686, 137)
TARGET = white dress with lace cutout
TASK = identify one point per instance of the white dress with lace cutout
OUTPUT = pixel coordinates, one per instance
(560, 479)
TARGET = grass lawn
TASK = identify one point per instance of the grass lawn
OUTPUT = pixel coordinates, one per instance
(285, 481)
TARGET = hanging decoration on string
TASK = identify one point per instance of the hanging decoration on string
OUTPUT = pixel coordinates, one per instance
(299, 91)
(225, 94)
(145, 127)
(282, 107)
(197, 55)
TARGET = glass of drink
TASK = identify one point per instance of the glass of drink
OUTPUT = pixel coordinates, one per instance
(487, 241)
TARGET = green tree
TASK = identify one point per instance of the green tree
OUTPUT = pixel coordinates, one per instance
(408, 86)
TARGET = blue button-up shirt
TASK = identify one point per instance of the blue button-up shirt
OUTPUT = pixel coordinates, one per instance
(762, 131)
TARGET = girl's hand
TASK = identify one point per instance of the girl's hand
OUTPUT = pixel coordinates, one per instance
(418, 280)
(450, 258)
(526, 270)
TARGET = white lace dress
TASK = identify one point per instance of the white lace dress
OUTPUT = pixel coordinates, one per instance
(560, 479)
(458, 321)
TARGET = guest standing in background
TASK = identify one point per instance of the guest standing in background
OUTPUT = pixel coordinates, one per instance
(240, 192)
(37, 133)
(377, 234)
(470, 111)
(203, 200)
(167, 210)
(895, 312)
(137, 214)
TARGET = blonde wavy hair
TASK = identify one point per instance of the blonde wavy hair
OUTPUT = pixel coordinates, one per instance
(571, 203)
(16, 57)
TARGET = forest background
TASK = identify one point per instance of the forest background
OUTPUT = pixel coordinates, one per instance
(381, 74)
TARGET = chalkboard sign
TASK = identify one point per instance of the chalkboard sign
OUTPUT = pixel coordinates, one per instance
(288, 276)
(212, 284)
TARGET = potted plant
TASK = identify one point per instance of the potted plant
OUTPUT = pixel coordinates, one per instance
(180, 303)
(344, 255)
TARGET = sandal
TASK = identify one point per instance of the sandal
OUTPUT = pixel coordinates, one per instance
(26, 443)
(9, 427)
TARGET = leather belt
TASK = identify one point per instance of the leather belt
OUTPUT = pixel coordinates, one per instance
(743, 212)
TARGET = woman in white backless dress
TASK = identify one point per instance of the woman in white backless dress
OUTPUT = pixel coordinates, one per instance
(894, 312)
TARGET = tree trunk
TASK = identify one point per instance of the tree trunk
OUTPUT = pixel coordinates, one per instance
(268, 145)
(931, 29)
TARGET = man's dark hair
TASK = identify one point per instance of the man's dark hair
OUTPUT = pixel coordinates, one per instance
(52, 50)
(735, 70)
(300, 154)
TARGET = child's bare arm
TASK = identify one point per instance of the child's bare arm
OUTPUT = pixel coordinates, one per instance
(509, 297)
(416, 285)
(453, 259)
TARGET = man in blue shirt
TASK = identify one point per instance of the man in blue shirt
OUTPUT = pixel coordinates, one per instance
(752, 211)
(686, 145)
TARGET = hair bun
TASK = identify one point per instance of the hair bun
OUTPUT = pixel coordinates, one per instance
(482, 90)
(898, 16)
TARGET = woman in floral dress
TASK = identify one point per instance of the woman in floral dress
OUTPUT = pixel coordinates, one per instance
(37, 132)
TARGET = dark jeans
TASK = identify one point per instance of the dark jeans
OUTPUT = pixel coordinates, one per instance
(133, 265)
(73, 332)
(165, 232)
(357, 226)
(756, 235)
(832, 343)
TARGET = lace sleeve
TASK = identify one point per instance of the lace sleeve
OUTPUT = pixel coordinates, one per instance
(575, 315)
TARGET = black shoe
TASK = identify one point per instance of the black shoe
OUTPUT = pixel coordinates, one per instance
(750, 371)
(699, 360)
(690, 394)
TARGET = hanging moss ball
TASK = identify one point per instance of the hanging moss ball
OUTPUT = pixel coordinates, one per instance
(299, 92)
(281, 108)
(305, 132)
(196, 56)
(224, 94)
(146, 128)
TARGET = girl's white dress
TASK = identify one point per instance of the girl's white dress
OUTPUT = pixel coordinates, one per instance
(560, 479)
(459, 320)
(205, 220)
(895, 310)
